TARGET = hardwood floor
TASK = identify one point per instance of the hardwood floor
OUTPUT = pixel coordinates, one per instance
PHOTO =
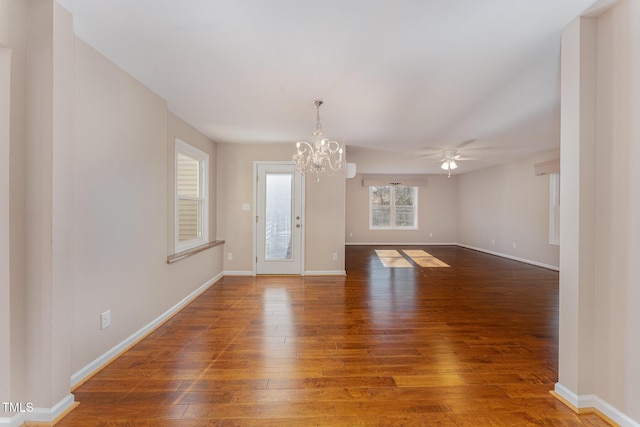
(471, 345)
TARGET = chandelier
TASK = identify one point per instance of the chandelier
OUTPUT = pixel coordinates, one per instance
(322, 157)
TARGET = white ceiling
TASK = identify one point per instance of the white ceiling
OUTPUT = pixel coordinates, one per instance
(408, 76)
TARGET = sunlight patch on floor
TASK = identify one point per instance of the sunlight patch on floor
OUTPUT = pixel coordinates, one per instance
(392, 258)
(423, 258)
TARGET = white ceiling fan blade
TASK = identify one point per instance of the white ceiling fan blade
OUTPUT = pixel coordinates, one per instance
(465, 143)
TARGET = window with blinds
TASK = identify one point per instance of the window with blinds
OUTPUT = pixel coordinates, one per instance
(191, 216)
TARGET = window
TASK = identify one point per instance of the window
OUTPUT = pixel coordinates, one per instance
(554, 208)
(393, 207)
(192, 197)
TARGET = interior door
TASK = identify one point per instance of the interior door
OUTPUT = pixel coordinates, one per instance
(279, 219)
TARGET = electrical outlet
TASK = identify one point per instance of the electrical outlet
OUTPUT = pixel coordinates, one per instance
(514, 245)
(246, 206)
(350, 234)
(335, 256)
(430, 234)
(229, 256)
(105, 319)
(493, 241)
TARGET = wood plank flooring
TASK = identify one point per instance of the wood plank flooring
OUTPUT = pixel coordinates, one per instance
(471, 345)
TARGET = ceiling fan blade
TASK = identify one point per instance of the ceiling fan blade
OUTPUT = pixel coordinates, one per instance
(465, 143)
(432, 155)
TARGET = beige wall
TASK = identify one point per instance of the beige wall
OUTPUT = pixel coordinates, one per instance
(13, 21)
(325, 223)
(49, 193)
(508, 204)
(123, 206)
(599, 295)
(505, 204)
(5, 223)
(437, 210)
(617, 232)
(324, 209)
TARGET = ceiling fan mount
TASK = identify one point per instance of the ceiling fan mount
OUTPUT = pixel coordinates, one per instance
(450, 155)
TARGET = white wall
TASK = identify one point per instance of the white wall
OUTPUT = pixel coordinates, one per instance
(324, 231)
(508, 204)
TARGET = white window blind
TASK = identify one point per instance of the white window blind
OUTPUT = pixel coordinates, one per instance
(191, 213)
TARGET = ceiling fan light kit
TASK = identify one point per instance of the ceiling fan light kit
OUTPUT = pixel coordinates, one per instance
(449, 165)
(448, 161)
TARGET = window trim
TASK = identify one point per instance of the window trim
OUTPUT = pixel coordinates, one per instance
(186, 149)
(392, 207)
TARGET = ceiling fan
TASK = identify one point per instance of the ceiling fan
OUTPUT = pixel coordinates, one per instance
(450, 157)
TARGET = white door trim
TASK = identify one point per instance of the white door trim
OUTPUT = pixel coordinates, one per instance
(256, 163)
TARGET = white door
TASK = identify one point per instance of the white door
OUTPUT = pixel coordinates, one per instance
(279, 219)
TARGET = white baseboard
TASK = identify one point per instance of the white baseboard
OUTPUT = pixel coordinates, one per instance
(239, 273)
(591, 401)
(306, 273)
(105, 358)
(400, 244)
(515, 258)
(40, 415)
(14, 421)
(326, 273)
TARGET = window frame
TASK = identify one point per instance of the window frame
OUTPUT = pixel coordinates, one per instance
(202, 158)
(392, 208)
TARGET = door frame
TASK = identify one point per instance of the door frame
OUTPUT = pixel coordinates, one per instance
(257, 163)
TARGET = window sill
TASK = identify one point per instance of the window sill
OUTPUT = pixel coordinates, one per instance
(181, 255)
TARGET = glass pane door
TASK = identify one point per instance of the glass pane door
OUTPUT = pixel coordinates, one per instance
(279, 219)
(278, 215)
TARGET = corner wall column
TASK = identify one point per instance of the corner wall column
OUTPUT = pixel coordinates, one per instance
(5, 249)
(49, 208)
